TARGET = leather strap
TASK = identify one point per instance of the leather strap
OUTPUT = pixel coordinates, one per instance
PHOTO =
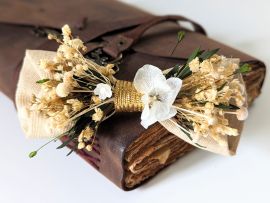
(117, 44)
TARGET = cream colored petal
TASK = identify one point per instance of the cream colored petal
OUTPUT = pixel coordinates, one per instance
(103, 91)
(163, 111)
(149, 120)
(146, 112)
(148, 78)
(175, 84)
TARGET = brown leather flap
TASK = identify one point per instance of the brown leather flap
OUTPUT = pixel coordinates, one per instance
(104, 15)
(161, 39)
(54, 14)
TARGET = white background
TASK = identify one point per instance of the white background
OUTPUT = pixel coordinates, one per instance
(199, 176)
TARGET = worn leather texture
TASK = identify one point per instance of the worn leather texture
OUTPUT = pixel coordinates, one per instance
(110, 25)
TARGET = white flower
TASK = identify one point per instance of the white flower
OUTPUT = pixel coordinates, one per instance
(194, 65)
(63, 90)
(103, 91)
(66, 30)
(81, 145)
(158, 94)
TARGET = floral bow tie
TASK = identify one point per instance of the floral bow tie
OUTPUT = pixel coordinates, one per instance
(64, 93)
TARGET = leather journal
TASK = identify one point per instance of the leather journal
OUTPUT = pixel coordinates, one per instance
(124, 152)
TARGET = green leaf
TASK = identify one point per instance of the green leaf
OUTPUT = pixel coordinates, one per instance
(32, 154)
(193, 55)
(200, 145)
(188, 135)
(207, 54)
(70, 152)
(42, 81)
(185, 72)
(222, 86)
(67, 141)
(227, 107)
(245, 68)
(180, 36)
(173, 71)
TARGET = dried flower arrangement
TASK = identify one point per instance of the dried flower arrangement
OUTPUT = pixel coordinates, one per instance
(191, 100)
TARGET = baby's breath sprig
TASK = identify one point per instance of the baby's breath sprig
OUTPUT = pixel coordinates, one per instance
(78, 92)
(211, 90)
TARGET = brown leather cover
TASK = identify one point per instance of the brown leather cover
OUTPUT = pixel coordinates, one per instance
(110, 24)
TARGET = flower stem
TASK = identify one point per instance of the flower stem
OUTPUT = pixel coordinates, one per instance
(82, 91)
(91, 108)
(191, 112)
(181, 127)
(34, 153)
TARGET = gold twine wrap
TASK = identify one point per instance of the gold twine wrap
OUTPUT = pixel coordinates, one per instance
(127, 98)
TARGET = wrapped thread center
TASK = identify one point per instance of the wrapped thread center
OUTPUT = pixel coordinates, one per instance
(127, 98)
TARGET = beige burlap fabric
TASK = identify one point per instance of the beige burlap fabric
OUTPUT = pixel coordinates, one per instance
(34, 124)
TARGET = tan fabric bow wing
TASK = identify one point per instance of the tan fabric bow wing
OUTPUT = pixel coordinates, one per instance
(34, 124)
(208, 143)
(230, 143)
